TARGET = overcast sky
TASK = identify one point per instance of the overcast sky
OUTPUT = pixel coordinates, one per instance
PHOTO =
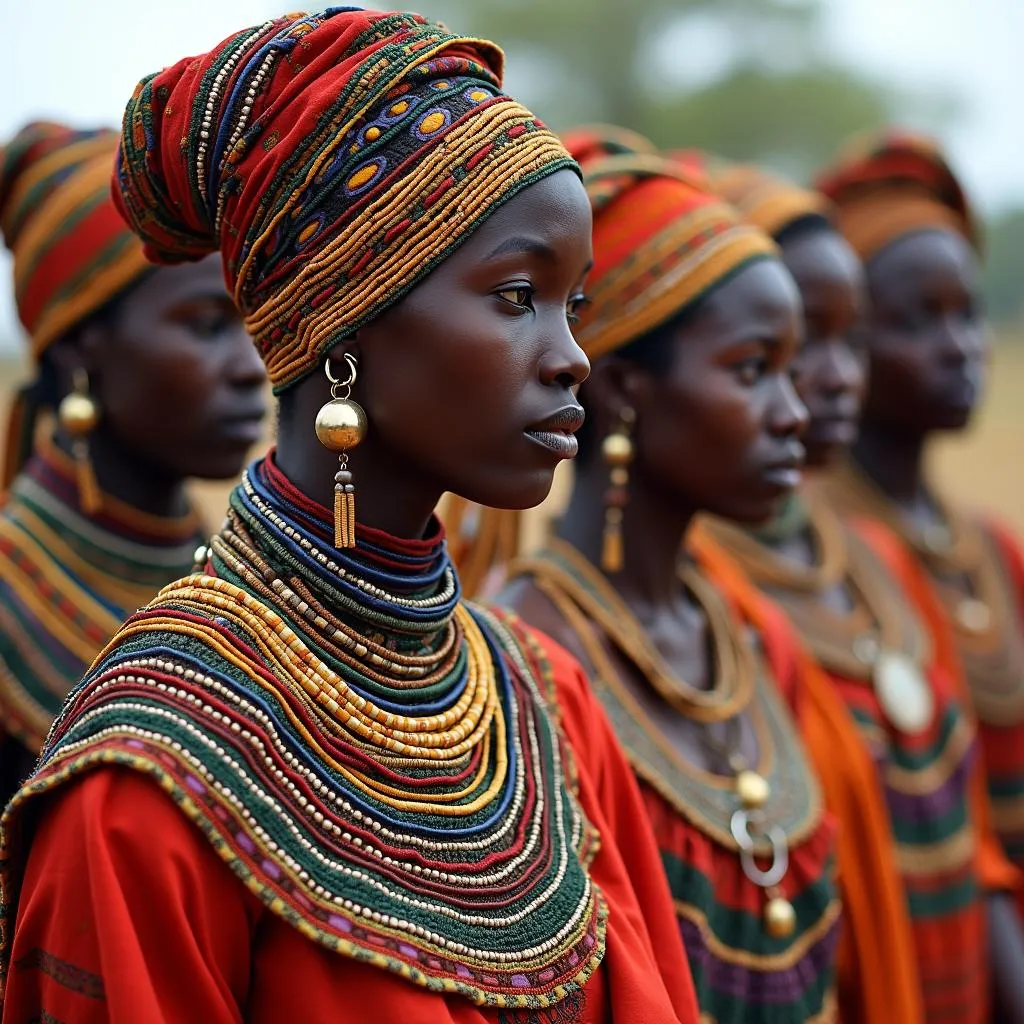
(78, 61)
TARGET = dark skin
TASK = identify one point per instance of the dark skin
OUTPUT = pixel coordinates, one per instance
(179, 386)
(831, 366)
(927, 348)
(456, 377)
(718, 432)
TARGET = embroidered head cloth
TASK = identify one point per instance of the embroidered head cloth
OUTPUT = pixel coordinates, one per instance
(763, 199)
(72, 251)
(892, 185)
(661, 241)
(334, 159)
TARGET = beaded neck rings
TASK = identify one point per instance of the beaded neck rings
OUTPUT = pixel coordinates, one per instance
(373, 757)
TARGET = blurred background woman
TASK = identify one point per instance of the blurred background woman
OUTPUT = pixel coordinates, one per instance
(150, 380)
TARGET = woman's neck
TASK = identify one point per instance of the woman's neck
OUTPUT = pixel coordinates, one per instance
(131, 480)
(654, 527)
(390, 498)
(894, 463)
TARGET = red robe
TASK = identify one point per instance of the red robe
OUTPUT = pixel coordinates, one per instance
(127, 913)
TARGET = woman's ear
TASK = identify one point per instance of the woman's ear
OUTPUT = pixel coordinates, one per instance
(80, 349)
(615, 385)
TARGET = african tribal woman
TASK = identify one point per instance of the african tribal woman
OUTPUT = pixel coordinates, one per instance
(691, 328)
(310, 783)
(904, 212)
(896, 680)
(152, 380)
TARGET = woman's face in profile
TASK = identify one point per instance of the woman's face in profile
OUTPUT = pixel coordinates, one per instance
(468, 381)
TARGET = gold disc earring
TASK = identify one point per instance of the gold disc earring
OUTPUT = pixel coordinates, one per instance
(78, 414)
(617, 452)
(340, 426)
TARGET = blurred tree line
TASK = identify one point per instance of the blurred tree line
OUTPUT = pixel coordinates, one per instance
(749, 79)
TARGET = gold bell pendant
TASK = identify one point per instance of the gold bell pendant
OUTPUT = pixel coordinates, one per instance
(779, 915)
(340, 427)
(617, 452)
(78, 414)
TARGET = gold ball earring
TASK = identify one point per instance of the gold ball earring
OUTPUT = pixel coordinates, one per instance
(340, 426)
(78, 414)
(617, 451)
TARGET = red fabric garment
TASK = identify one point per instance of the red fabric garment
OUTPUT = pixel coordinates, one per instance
(995, 870)
(877, 977)
(1002, 746)
(137, 919)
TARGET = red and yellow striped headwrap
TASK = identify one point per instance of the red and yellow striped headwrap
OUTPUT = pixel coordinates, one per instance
(888, 186)
(72, 251)
(763, 199)
(661, 241)
(334, 160)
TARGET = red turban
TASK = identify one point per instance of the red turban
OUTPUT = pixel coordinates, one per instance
(334, 159)
(891, 185)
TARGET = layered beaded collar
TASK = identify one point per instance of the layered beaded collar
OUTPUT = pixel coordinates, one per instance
(373, 757)
(67, 581)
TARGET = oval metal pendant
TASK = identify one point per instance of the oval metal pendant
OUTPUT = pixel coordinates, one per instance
(903, 692)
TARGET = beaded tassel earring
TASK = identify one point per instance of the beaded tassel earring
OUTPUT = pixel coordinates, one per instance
(78, 413)
(340, 426)
(617, 452)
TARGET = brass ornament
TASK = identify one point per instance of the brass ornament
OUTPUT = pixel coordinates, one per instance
(617, 452)
(78, 415)
(340, 426)
(779, 918)
(752, 788)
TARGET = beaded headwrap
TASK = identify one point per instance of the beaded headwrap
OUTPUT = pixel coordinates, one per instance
(73, 252)
(893, 185)
(334, 159)
(763, 199)
(661, 241)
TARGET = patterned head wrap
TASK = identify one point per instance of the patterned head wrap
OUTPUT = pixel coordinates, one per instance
(334, 159)
(72, 251)
(893, 185)
(661, 241)
(588, 142)
(768, 202)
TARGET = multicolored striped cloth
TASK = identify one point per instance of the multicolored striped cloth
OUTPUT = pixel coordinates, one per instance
(67, 581)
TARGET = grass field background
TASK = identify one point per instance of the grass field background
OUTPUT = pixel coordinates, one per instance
(983, 467)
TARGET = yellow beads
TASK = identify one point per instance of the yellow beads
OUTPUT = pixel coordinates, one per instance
(752, 789)
(363, 175)
(432, 122)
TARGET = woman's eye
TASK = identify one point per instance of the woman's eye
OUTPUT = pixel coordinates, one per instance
(209, 326)
(517, 295)
(573, 307)
(750, 371)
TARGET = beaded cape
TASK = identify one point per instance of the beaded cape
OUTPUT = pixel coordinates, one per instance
(67, 581)
(373, 759)
(741, 974)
